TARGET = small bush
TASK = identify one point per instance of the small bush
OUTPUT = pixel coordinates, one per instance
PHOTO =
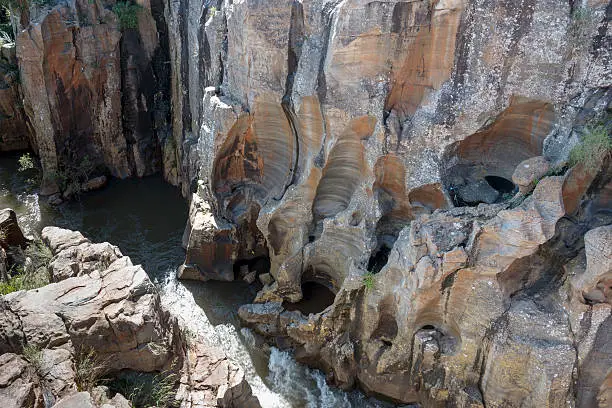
(72, 174)
(368, 280)
(34, 356)
(40, 255)
(26, 162)
(25, 282)
(146, 390)
(127, 13)
(595, 145)
(35, 274)
(89, 369)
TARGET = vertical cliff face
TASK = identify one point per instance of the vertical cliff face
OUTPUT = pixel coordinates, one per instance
(13, 127)
(309, 110)
(94, 90)
(335, 138)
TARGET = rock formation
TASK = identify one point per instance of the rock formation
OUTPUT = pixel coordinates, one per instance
(93, 91)
(13, 128)
(102, 302)
(404, 167)
(396, 172)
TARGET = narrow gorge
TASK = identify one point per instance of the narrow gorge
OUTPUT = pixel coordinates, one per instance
(306, 203)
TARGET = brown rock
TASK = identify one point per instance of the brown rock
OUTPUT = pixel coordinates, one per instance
(529, 172)
(14, 134)
(11, 232)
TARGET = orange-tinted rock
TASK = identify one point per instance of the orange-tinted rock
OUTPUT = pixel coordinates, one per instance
(344, 169)
(430, 54)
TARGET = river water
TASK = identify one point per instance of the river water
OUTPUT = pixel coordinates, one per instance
(145, 218)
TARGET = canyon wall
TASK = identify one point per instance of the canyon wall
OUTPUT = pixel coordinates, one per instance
(373, 150)
(93, 88)
(405, 160)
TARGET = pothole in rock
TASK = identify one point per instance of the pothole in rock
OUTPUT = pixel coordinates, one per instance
(315, 298)
(488, 190)
(502, 185)
(386, 329)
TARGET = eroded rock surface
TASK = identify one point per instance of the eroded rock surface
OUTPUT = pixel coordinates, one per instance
(337, 136)
(102, 302)
(93, 92)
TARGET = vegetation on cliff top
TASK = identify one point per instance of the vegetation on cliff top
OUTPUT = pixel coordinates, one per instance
(146, 389)
(127, 12)
(596, 143)
(34, 273)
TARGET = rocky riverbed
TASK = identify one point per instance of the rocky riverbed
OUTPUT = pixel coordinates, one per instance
(100, 306)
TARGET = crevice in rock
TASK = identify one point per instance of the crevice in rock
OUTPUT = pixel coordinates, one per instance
(379, 258)
(294, 48)
(328, 14)
(543, 271)
(386, 328)
(447, 342)
(249, 269)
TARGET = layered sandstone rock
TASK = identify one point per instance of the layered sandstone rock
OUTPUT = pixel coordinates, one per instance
(337, 136)
(104, 303)
(89, 90)
(471, 309)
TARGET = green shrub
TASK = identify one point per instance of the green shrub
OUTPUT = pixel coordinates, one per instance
(72, 174)
(34, 356)
(40, 255)
(35, 274)
(25, 282)
(147, 390)
(26, 162)
(595, 145)
(89, 369)
(368, 280)
(127, 13)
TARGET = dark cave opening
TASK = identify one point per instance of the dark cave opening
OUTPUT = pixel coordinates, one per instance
(503, 185)
(379, 259)
(315, 298)
(249, 269)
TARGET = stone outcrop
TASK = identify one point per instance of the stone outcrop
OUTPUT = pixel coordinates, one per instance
(372, 151)
(473, 307)
(88, 90)
(102, 302)
(337, 136)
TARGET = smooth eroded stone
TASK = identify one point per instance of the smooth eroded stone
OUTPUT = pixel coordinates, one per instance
(529, 172)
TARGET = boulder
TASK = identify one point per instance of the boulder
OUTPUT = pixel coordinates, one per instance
(19, 384)
(102, 302)
(477, 192)
(11, 234)
(529, 172)
(75, 255)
